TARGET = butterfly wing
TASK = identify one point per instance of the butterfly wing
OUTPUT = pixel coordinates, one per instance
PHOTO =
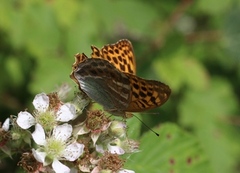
(104, 84)
(119, 54)
(146, 94)
(109, 79)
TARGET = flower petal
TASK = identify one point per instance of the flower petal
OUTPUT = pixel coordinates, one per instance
(39, 156)
(62, 132)
(99, 148)
(115, 149)
(39, 135)
(73, 151)
(126, 171)
(6, 124)
(25, 120)
(96, 170)
(41, 102)
(58, 167)
(94, 137)
(81, 129)
(66, 113)
(84, 168)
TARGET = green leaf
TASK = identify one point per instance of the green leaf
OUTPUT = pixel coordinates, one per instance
(206, 113)
(173, 151)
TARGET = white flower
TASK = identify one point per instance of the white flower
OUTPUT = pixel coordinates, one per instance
(6, 124)
(43, 115)
(56, 147)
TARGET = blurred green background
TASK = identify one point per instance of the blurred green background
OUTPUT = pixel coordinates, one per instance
(193, 46)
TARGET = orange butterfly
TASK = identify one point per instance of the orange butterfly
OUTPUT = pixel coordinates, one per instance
(109, 79)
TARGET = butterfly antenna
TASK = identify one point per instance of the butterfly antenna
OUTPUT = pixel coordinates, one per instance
(147, 126)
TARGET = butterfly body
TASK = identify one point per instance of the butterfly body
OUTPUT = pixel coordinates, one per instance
(115, 87)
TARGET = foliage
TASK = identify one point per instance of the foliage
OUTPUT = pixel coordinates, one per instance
(193, 46)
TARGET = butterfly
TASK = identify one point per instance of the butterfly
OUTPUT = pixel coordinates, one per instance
(108, 78)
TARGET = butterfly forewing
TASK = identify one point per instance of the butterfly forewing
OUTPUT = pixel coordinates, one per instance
(119, 54)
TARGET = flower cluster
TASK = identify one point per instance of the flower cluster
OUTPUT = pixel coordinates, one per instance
(105, 142)
(65, 137)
